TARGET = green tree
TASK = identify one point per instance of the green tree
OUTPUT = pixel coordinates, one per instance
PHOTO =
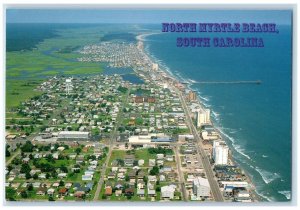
(64, 169)
(126, 178)
(30, 187)
(157, 189)
(24, 194)
(7, 153)
(78, 150)
(25, 168)
(27, 147)
(154, 171)
(61, 183)
(35, 176)
(10, 194)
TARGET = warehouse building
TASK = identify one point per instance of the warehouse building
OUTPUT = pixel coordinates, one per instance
(73, 135)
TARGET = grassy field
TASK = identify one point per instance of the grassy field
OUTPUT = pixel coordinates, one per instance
(55, 56)
(20, 90)
(116, 154)
(145, 155)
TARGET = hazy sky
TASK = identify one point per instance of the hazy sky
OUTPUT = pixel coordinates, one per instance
(144, 16)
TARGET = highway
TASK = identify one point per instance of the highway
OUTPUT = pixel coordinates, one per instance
(216, 193)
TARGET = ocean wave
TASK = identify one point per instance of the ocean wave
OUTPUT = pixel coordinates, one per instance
(286, 193)
(192, 81)
(199, 92)
(240, 150)
(204, 98)
(264, 196)
(236, 147)
(267, 176)
(227, 136)
(205, 104)
(216, 116)
(265, 156)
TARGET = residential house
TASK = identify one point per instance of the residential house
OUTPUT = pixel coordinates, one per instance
(129, 191)
(88, 177)
(26, 160)
(108, 191)
(50, 192)
(128, 160)
(140, 184)
(68, 185)
(169, 158)
(90, 185)
(141, 162)
(151, 162)
(36, 184)
(41, 191)
(160, 156)
(63, 191)
(111, 175)
(79, 194)
(56, 184)
(118, 193)
(141, 192)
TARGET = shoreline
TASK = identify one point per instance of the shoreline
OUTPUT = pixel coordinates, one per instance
(141, 37)
(252, 188)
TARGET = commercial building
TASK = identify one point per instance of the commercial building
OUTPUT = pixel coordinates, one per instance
(201, 187)
(192, 96)
(150, 138)
(234, 184)
(220, 152)
(155, 67)
(168, 191)
(203, 117)
(73, 135)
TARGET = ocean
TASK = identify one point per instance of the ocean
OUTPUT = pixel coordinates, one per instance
(255, 120)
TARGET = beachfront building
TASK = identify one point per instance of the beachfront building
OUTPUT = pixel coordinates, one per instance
(155, 67)
(203, 117)
(220, 152)
(192, 96)
(201, 187)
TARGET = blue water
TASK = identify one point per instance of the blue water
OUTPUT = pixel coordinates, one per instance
(126, 73)
(255, 119)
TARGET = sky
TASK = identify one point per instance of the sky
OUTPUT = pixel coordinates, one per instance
(84, 15)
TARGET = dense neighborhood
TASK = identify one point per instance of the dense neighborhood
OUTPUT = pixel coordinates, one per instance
(101, 137)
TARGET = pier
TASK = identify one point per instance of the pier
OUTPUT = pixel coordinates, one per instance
(255, 82)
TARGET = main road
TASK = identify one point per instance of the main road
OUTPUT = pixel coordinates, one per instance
(111, 144)
(180, 174)
(216, 193)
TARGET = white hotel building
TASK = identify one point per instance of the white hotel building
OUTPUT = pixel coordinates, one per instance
(220, 152)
